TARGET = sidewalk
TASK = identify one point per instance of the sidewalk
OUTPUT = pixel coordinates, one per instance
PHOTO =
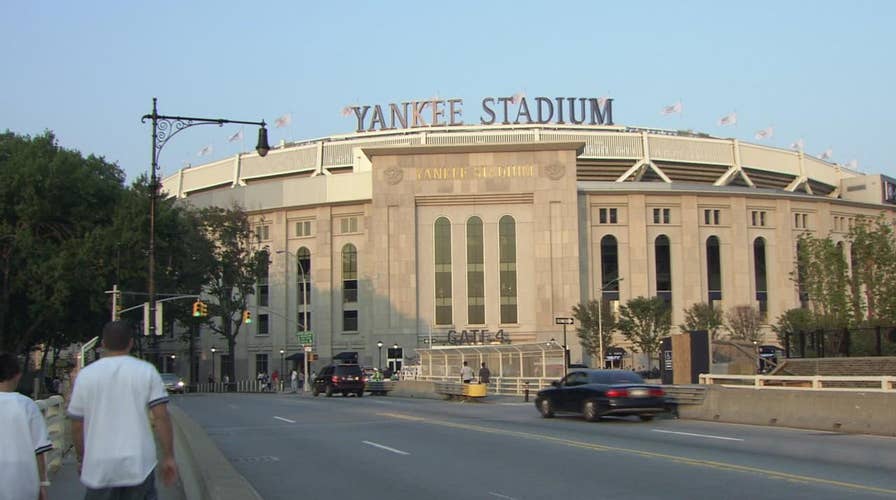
(65, 484)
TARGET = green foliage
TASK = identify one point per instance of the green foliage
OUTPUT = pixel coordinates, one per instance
(873, 283)
(644, 322)
(702, 316)
(237, 265)
(793, 321)
(744, 323)
(823, 275)
(586, 315)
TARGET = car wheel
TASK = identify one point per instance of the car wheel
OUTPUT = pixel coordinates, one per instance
(546, 408)
(591, 411)
(360, 394)
(645, 418)
(345, 394)
(329, 391)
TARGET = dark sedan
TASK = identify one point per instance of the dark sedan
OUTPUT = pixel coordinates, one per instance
(598, 393)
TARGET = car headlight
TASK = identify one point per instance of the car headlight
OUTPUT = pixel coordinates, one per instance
(180, 383)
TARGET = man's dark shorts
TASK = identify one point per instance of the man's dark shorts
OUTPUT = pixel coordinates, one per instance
(143, 491)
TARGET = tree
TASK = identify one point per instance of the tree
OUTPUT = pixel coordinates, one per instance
(792, 322)
(873, 280)
(644, 322)
(702, 316)
(586, 315)
(54, 207)
(238, 265)
(822, 274)
(743, 322)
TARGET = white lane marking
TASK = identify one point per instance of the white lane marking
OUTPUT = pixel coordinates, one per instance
(285, 420)
(231, 405)
(393, 450)
(492, 493)
(698, 435)
(515, 404)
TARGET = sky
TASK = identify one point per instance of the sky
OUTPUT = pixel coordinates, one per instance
(820, 71)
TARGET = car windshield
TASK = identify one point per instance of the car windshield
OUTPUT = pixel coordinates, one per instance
(615, 377)
(348, 370)
(169, 378)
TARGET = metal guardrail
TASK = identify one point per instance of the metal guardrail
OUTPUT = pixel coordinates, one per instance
(53, 410)
(379, 387)
(503, 385)
(809, 382)
(238, 386)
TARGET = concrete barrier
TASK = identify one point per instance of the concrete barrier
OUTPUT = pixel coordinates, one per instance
(415, 389)
(830, 410)
(206, 474)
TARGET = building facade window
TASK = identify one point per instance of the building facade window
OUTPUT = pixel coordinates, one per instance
(713, 270)
(662, 216)
(475, 272)
(303, 285)
(712, 217)
(507, 268)
(663, 262)
(264, 324)
(760, 277)
(262, 290)
(303, 228)
(348, 225)
(608, 216)
(350, 321)
(800, 220)
(263, 232)
(261, 363)
(757, 218)
(349, 274)
(801, 276)
(609, 270)
(442, 259)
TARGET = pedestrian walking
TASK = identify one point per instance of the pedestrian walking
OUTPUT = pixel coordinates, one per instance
(294, 381)
(275, 379)
(466, 373)
(484, 374)
(24, 437)
(110, 406)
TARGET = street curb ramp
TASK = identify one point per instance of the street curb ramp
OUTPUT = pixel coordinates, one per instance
(205, 472)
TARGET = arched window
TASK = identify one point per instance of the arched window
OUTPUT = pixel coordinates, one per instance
(303, 285)
(663, 260)
(475, 273)
(801, 275)
(349, 288)
(609, 268)
(442, 249)
(713, 270)
(507, 269)
(759, 273)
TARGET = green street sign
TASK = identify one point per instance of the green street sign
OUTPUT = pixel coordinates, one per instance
(306, 338)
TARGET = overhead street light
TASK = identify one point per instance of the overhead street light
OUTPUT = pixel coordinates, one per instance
(163, 129)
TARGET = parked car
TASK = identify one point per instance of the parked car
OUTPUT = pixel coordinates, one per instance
(598, 393)
(173, 383)
(344, 378)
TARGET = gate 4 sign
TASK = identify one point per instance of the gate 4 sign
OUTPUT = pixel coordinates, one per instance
(305, 338)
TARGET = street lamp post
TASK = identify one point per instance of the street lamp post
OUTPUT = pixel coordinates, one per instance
(600, 321)
(281, 363)
(379, 345)
(163, 129)
(303, 275)
(564, 322)
(214, 350)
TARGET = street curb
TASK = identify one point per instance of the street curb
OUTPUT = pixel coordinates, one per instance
(205, 472)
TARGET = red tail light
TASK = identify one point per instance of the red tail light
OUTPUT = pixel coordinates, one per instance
(364, 379)
(617, 393)
(335, 379)
(657, 393)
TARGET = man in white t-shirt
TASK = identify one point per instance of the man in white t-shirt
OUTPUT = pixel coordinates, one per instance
(466, 373)
(23, 474)
(294, 381)
(109, 409)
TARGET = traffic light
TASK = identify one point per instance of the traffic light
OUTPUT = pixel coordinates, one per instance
(247, 316)
(203, 309)
(197, 309)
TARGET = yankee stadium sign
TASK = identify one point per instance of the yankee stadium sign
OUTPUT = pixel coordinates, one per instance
(516, 110)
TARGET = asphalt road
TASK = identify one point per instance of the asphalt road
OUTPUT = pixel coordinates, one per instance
(292, 446)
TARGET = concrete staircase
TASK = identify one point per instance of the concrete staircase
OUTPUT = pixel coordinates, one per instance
(840, 367)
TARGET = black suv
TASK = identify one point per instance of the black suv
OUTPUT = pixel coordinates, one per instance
(347, 379)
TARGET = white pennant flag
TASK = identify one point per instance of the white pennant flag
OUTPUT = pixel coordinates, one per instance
(238, 136)
(826, 154)
(729, 119)
(765, 133)
(346, 111)
(671, 110)
(853, 164)
(516, 98)
(283, 121)
(207, 150)
(602, 100)
(797, 145)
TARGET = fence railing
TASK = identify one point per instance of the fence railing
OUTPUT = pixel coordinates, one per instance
(504, 385)
(811, 382)
(53, 410)
(240, 386)
(841, 342)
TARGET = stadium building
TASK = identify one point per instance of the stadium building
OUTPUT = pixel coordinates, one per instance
(420, 231)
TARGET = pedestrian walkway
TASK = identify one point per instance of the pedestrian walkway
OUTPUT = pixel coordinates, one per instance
(65, 483)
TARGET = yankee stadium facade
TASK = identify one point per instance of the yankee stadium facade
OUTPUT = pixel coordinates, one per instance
(424, 228)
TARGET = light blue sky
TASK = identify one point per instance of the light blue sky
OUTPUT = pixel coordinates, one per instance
(821, 71)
